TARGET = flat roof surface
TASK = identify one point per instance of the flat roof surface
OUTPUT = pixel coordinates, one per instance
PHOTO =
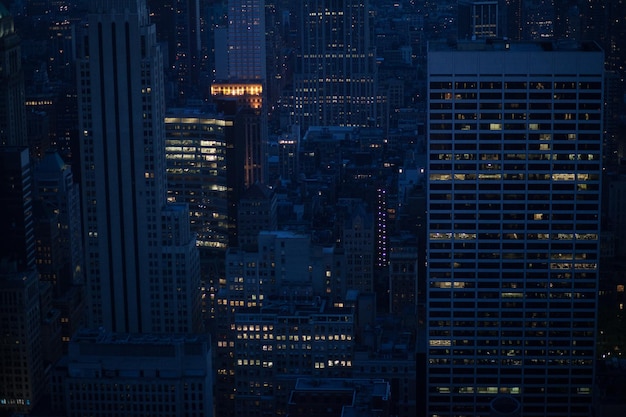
(518, 46)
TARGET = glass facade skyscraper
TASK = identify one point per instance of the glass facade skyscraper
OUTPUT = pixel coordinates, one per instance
(196, 166)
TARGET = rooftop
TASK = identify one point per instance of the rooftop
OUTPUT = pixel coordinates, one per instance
(516, 46)
(101, 336)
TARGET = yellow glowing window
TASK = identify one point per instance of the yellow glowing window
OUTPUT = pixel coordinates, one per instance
(449, 284)
(563, 177)
(437, 236)
(440, 177)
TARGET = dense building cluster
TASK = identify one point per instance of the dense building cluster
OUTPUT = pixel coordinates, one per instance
(260, 208)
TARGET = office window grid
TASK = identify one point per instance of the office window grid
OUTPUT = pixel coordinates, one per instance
(514, 169)
(119, 397)
(196, 172)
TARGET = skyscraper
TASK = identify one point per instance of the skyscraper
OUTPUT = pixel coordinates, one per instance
(16, 198)
(22, 380)
(512, 12)
(22, 354)
(241, 96)
(196, 171)
(54, 184)
(478, 19)
(515, 134)
(188, 47)
(21, 309)
(179, 25)
(246, 142)
(12, 110)
(246, 40)
(140, 256)
(335, 76)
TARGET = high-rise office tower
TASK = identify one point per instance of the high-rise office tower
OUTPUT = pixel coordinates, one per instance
(179, 26)
(246, 142)
(246, 40)
(240, 94)
(512, 12)
(22, 380)
(245, 80)
(21, 347)
(188, 47)
(335, 76)
(12, 110)
(240, 47)
(54, 184)
(140, 255)
(195, 148)
(515, 134)
(478, 19)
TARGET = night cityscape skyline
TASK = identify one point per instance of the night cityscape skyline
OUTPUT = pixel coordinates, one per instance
(233, 208)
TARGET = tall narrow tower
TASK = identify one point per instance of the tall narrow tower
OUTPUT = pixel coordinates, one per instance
(12, 110)
(246, 40)
(142, 267)
(515, 135)
(335, 78)
(241, 96)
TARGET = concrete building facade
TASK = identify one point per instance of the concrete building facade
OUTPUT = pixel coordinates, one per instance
(515, 134)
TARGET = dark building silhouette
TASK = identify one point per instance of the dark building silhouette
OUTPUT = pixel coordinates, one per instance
(16, 199)
(142, 266)
(12, 111)
(335, 79)
(60, 258)
(167, 375)
(256, 213)
(479, 19)
(339, 397)
(22, 381)
(54, 186)
(180, 28)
